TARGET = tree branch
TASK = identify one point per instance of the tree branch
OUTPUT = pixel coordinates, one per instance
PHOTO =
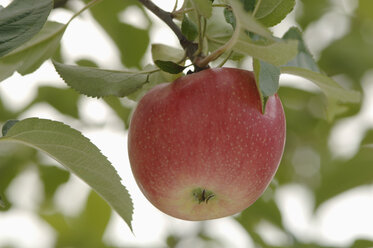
(189, 47)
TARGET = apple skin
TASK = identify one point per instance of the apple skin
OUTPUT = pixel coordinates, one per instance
(204, 136)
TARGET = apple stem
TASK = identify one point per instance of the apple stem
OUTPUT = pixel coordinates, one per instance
(203, 195)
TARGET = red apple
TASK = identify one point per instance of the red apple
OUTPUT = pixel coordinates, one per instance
(200, 147)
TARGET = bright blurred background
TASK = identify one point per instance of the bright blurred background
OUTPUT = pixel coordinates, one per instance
(322, 194)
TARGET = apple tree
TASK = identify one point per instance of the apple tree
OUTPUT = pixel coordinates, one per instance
(198, 114)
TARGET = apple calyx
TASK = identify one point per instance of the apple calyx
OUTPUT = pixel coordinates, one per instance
(203, 195)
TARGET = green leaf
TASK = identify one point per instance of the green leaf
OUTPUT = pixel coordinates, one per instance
(84, 230)
(229, 17)
(12, 163)
(169, 66)
(312, 11)
(131, 41)
(168, 53)
(165, 52)
(8, 125)
(267, 78)
(342, 176)
(365, 9)
(28, 57)
(249, 5)
(157, 77)
(86, 62)
(362, 243)
(96, 82)
(276, 53)
(52, 178)
(219, 32)
(20, 21)
(172, 240)
(304, 58)
(272, 12)
(333, 109)
(307, 139)
(266, 7)
(259, 211)
(330, 88)
(189, 28)
(247, 21)
(351, 54)
(59, 223)
(5, 113)
(74, 151)
(217, 26)
(122, 111)
(94, 223)
(65, 100)
(203, 7)
(2, 203)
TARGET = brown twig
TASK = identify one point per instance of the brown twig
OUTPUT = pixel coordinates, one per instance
(167, 17)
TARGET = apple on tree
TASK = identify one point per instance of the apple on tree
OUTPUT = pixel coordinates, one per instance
(201, 148)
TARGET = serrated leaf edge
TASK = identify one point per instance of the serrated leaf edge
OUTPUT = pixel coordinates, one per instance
(106, 70)
(87, 140)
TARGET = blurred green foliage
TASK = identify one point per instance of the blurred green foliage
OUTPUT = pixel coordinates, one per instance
(308, 133)
(131, 41)
(352, 54)
(86, 229)
(312, 11)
